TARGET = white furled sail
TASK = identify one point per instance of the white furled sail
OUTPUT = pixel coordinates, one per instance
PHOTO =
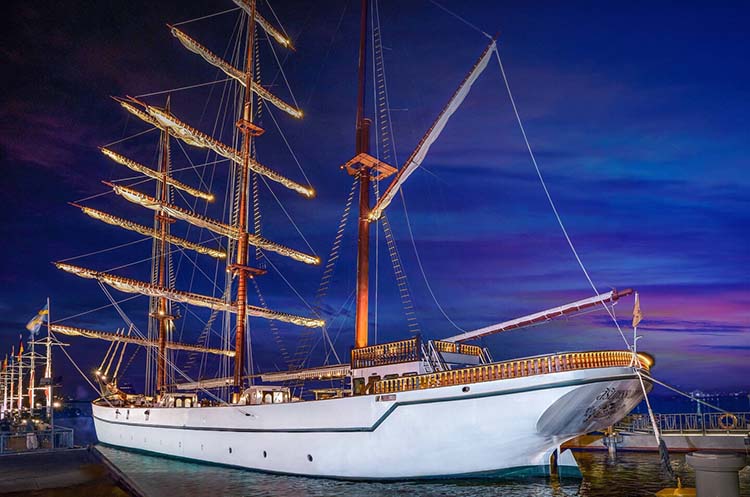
(128, 285)
(166, 120)
(148, 231)
(113, 337)
(217, 227)
(147, 171)
(418, 155)
(539, 317)
(274, 33)
(234, 73)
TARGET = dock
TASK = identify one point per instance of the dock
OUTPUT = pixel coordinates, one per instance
(53, 466)
(681, 432)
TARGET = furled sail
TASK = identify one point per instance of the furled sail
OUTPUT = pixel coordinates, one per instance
(234, 73)
(267, 26)
(147, 231)
(418, 155)
(147, 171)
(144, 116)
(128, 285)
(210, 224)
(112, 337)
(539, 317)
(191, 136)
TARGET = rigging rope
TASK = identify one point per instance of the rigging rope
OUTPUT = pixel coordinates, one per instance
(206, 17)
(128, 137)
(421, 267)
(105, 250)
(549, 197)
(463, 20)
(181, 88)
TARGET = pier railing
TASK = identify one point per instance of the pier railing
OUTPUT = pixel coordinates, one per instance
(689, 423)
(518, 368)
(21, 441)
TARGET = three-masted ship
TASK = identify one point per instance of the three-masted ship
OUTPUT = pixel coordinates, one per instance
(413, 408)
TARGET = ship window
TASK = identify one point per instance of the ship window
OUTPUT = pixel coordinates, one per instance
(178, 402)
(230, 450)
(265, 454)
(390, 376)
(267, 398)
(188, 403)
(309, 457)
(359, 386)
(278, 397)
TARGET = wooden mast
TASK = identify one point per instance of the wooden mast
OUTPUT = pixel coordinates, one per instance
(162, 314)
(248, 130)
(363, 236)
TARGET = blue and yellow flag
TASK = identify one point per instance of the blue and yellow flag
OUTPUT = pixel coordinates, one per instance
(36, 322)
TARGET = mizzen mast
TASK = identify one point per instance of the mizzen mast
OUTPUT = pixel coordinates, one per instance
(363, 230)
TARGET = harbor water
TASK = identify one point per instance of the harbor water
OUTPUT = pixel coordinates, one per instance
(624, 475)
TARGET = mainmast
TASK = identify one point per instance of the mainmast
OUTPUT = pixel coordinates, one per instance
(248, 130)
(363, 233)
(163, 220)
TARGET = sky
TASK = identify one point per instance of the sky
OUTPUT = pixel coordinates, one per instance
(637, 114)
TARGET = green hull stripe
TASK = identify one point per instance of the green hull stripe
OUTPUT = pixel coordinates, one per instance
(517, 471)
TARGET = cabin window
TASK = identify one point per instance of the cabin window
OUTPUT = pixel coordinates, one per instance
(359, 386)
(188, 403)
(390, 376)
(278, 397)
(268, 398)
(178, 402)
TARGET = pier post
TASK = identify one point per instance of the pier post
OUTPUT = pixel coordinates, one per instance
(716, 474)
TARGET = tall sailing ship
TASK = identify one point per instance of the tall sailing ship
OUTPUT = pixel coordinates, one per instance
(413, 408)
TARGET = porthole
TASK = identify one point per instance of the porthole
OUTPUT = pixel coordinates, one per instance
(230, 450)
(265, 454)
(309, 457)
(465, 389)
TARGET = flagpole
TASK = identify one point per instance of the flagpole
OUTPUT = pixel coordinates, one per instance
(5, 388)
(12, 377)
(32, 365)
(20, 375)
(48, 376)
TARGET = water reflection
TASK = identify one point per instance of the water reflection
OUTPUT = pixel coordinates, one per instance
(626, 474)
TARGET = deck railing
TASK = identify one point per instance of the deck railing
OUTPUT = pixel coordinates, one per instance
(386, 353)
(21, 441)
(457, 348)
(518, 368)
(688, 423)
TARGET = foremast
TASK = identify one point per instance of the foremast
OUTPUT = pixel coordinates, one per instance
(161, 288)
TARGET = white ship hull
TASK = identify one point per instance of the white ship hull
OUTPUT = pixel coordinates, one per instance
(483, 429)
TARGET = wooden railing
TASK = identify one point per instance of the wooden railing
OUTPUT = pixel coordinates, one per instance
(457, 348)
(386, 353)
(518, 368)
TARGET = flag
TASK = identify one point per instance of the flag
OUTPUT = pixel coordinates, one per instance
(20, 347)
(5, 363)
(36, 322)
(637, 314)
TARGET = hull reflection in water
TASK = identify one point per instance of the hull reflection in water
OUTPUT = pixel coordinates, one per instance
(629, 474)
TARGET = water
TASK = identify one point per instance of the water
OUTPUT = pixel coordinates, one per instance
(625, 475)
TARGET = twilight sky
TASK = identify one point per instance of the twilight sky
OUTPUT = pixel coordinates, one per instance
(638, 115)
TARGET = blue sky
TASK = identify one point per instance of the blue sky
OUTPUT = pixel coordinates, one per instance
(637, 114)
